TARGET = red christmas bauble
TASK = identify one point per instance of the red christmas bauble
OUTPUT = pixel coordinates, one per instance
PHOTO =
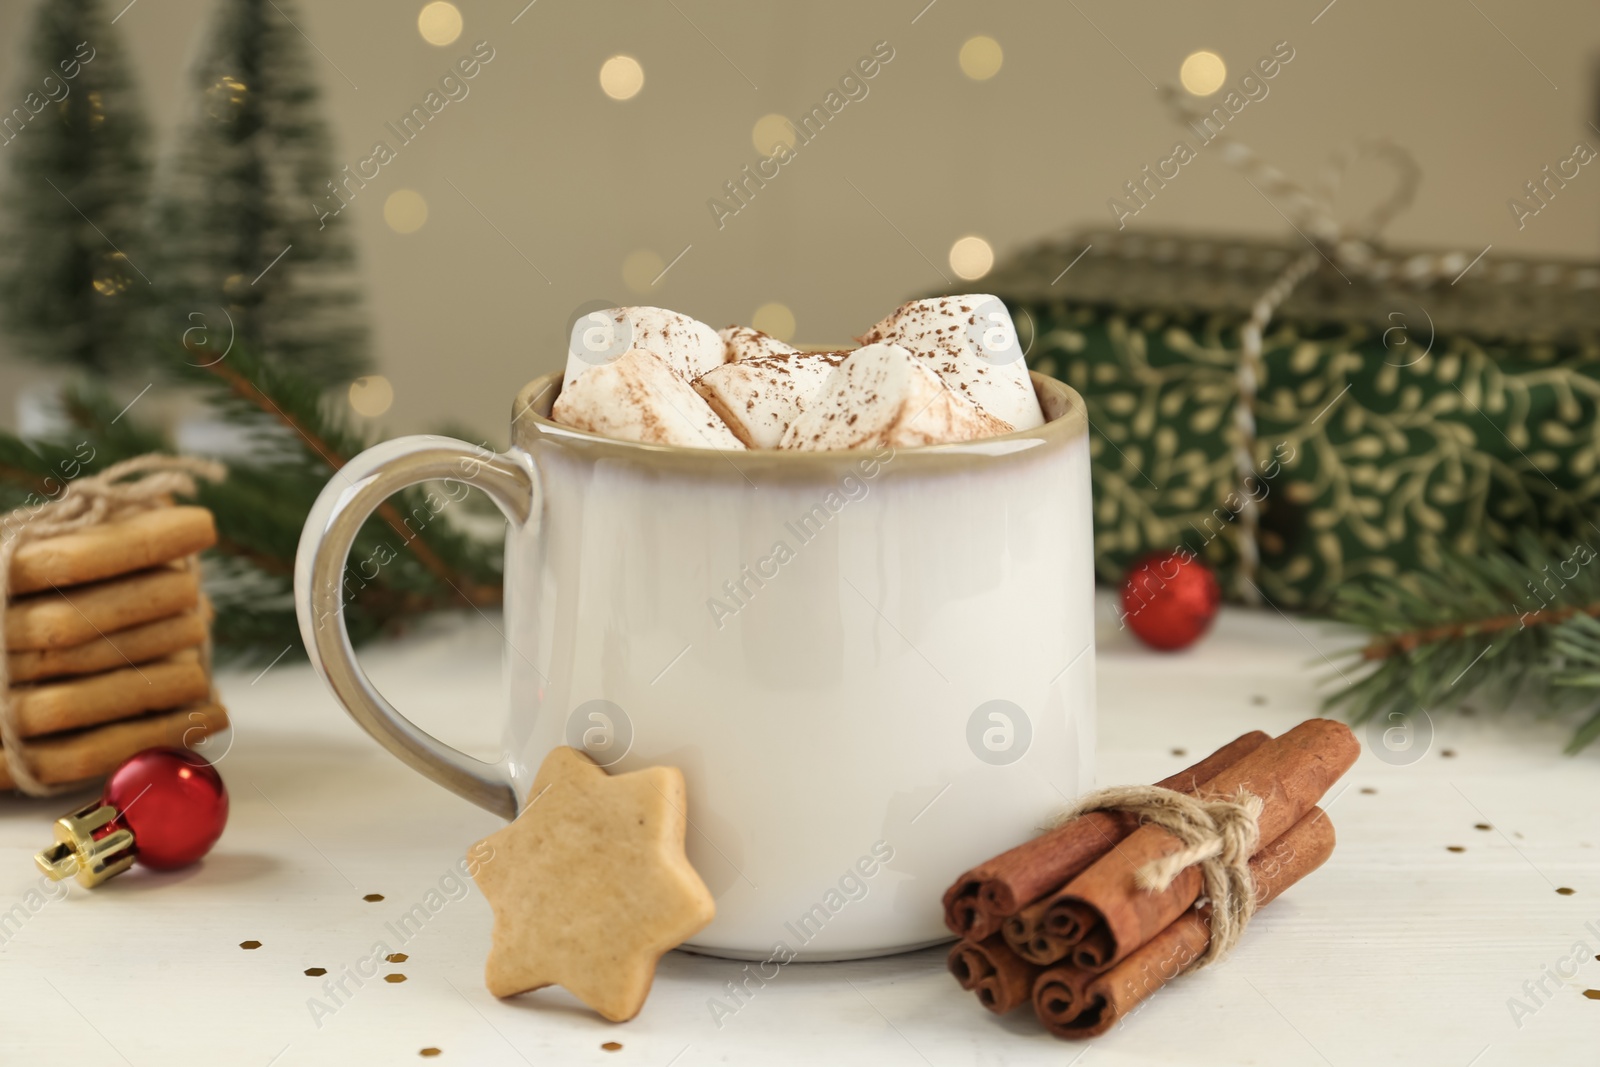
(174, 802)
(1169, 599)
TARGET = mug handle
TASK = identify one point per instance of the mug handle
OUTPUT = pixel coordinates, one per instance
(344, 505)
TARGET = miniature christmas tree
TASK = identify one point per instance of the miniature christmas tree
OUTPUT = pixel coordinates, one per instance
(244, 256)
(72, 276)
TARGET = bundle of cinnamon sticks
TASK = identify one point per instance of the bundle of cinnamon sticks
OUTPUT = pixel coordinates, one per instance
(1060, 921)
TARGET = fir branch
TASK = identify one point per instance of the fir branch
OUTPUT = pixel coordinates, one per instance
(100, 417)
(1578, 645)
(242, 386)
(33, 473)
(22, 478)
(1505, 625)
(1395, 644)
(298, 440)
(247, 390)
(266, 562)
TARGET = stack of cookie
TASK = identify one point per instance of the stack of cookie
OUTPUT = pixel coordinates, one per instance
(106, 644)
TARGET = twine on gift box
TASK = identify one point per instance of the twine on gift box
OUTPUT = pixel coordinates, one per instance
(1219, 835)
(1351, 248)
(118, 492)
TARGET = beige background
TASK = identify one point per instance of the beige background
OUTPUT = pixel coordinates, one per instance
(576, 181)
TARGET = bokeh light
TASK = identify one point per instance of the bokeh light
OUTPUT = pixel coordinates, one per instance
(621, 77)
(439, 23)
(771, 131)
(981, 58)
(405, 211)
(1203, 73)
(640, 270)
(774, 319)
(371, 396)
(971, 257)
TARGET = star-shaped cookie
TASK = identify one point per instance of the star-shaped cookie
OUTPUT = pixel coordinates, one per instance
(590, 885)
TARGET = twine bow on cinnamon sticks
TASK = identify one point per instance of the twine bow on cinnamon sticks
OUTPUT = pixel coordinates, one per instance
(1219, 837)
(119, 491)
(1090, 918)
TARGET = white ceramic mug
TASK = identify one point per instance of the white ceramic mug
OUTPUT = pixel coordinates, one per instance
(874, 669)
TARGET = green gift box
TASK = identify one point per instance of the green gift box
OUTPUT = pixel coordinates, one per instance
(1393, 419)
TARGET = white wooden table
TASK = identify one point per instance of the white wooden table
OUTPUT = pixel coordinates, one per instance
(1399, 951)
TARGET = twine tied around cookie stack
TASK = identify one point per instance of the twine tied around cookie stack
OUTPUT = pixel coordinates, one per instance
(122, 491)
(1219, 834)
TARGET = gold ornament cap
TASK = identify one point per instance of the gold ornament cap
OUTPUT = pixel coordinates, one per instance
(79, 852)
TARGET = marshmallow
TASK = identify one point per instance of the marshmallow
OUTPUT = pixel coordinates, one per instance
(759, 396)
(638, 397)
(972, 343)
(686, 345)
(745, 342)
(883, 395)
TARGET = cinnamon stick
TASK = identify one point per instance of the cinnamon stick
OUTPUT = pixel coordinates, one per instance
(1001, 979)
(981, 899)
(1047, 929)
(1072, 1003)
(1111, 916)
